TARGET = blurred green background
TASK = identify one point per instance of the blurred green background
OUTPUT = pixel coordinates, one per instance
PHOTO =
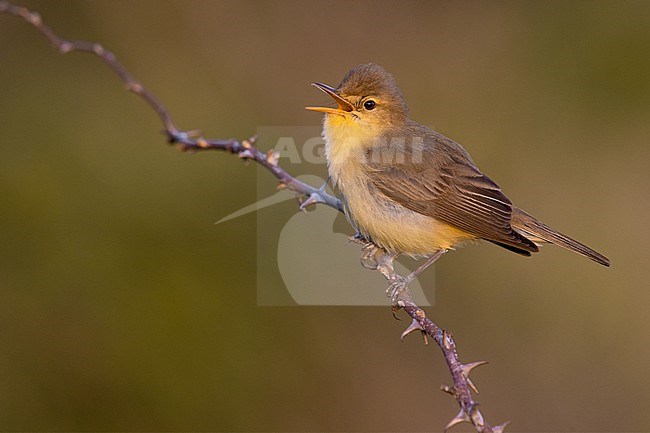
(123, 307)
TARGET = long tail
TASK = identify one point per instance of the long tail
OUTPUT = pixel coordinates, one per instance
(537, 231)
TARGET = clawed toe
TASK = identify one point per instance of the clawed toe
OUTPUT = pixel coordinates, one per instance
(396, 288)
(358, 238)
(368, 259)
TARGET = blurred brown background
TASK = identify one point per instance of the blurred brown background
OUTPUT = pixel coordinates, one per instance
(123, 307)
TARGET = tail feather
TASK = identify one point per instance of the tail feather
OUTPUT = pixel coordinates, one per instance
(537, 231)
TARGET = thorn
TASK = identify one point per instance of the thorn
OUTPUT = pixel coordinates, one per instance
(65, 47)
(98, 49)
(297, 198)
(323, 187)
(35, 19)
(471, 384)
(192, 133)
(134, 87)
(253, 139)
(461, 417)
(414, 326)
(313, 199)
(467, 368)
(202, 142)
(247, 144)
(282, 186)
(501, 427)
(245, 154)
(272, 157)
(447, 339)
(476, 416)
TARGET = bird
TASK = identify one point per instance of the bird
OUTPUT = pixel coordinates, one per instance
(408, 189)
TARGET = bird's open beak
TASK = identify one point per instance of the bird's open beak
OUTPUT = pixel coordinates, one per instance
(344, 107)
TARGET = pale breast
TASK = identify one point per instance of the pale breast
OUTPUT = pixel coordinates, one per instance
(380, 219)
(391, 225)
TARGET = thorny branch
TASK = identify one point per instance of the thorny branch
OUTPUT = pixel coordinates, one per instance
(463, 385)
(192, 141)
(184, 140)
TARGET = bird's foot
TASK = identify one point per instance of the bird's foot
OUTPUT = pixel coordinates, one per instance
(398, 289)
(358, 238)
(369, 251)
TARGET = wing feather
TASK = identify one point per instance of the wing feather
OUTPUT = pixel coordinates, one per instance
(447, 185)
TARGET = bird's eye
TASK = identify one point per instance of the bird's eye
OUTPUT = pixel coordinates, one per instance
(369, 104)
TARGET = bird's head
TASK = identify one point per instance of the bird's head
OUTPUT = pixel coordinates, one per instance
(368, 100)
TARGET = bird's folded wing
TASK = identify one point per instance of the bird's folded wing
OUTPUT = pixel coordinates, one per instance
(450, 188)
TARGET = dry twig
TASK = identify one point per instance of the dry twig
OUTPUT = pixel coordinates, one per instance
(246, 149)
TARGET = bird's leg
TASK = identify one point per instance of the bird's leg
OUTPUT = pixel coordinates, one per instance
(431, 260)
(401, 283)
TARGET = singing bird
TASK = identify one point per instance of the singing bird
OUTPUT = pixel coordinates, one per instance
(409, 189)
